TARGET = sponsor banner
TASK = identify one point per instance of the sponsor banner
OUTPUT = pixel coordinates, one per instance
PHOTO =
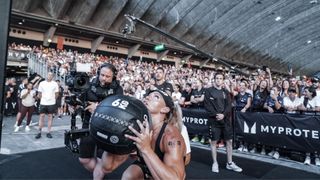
(295, 132)
(18, 54)
(196, 120)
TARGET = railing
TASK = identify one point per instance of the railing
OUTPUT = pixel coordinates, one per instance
(41, 67)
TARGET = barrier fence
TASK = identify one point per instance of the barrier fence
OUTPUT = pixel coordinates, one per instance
(299, 132)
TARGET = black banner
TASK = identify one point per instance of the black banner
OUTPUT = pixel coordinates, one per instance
(295, 132)
(18, 54)
(196, 121)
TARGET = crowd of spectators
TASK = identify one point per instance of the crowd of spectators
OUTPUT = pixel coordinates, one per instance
(262, 91)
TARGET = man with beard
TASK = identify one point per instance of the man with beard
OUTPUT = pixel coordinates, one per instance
(161, 83)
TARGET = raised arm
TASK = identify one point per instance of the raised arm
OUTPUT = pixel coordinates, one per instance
(172, 166)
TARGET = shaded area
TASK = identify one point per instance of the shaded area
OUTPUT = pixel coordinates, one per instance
(59, 163)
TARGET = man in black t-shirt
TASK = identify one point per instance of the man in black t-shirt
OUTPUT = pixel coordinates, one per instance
(185, 100)
(197, 95)
(161, 83)
(218, 105)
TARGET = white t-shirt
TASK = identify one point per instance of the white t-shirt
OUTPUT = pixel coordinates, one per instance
(29, 100)
(294, 104)
(313, 103)
(177, 96)
(48, 90)
(185, 136)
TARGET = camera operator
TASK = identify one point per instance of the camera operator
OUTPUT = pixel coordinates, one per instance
(104, 85)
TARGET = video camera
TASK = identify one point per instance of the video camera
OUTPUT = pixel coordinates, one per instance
(78, 82)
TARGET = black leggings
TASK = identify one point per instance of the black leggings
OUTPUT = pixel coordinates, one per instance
(24, 110)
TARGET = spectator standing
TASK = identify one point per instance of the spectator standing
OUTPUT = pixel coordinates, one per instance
(291, 102)
(185, 100)
(48, 92)
(22, 86)
(259, 96)
(59, 100)
(176, 95)
(274, 103)
(161, 83)
(242, 103)
(218, 104)
(310, 103)
(28, 98)
(197, 98)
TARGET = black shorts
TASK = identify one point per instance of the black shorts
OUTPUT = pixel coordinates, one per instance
(219, 133)
(47, 109)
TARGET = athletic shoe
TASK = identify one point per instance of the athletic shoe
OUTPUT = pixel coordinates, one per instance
(38, 136)
(263, 151)
(15, 125)
(215, 167)
(254, 150)
(27, 128)
(240, 148)
(276, 155)
(195, 139)
(271, 153)
(49, 135)
(307, 161)
(16, 129)
(317, 161)
(245, 149)
(203, 140)
(33, 124)
(232, 166)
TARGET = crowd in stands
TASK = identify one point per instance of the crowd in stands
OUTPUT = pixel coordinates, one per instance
(260, 92)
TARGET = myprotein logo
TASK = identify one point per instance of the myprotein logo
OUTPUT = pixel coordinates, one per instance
(249, 130)
(279, 130)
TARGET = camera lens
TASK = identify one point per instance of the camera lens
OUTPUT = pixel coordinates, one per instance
(81, 81)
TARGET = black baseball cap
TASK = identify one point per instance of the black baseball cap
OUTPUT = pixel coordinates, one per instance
(292, 90)
(166, 97)
(314, 80)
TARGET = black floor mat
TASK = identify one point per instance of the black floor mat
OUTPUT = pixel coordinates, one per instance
(61, 164)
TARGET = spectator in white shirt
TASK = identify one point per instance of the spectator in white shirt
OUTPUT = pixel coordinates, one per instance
(310, 102)
(48, 93)
(176, 95)
(292, 101)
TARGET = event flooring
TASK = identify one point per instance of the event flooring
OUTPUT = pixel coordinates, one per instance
(23, 157)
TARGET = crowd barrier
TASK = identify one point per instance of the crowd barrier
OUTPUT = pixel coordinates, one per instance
(299, 132)
(196, 120)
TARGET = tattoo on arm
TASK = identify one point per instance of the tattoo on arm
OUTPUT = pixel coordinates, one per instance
(174, 143)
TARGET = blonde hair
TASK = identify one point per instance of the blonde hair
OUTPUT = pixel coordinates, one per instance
(175, 117)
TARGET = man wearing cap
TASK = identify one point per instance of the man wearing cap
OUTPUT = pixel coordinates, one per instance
(292, 101)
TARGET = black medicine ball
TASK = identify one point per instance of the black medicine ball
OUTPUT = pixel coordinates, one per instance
(109, 123)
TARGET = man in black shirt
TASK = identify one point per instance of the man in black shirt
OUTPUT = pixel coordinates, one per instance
(104, 85)
(185, 100)
(161, 83)
(197, 95)
(218, 104)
